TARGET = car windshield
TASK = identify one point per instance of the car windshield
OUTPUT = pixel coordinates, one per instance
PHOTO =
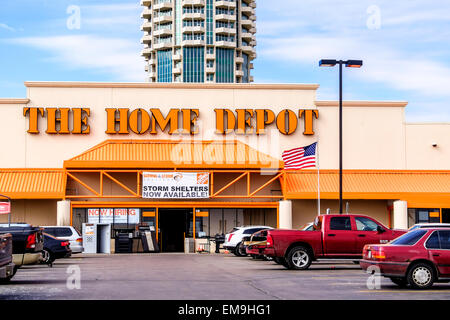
(410, 238)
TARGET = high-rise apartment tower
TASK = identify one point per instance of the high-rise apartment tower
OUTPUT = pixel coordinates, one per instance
(199, 40)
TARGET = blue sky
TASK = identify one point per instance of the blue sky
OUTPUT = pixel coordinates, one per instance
(404, 44)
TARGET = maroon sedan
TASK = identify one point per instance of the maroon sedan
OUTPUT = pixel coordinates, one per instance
(418, 258)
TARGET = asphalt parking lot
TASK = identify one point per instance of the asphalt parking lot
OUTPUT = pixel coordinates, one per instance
(199, 277)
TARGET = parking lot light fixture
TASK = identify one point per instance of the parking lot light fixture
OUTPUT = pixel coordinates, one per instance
(348, 64)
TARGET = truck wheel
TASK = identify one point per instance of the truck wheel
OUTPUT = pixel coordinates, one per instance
(401, 282)
(299, 258)
(421, 276)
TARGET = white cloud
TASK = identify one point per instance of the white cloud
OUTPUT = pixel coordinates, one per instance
(6, 27)
(381, 64)
(112, 15)
(116, 56)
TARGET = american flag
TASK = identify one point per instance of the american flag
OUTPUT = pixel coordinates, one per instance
(300, 158)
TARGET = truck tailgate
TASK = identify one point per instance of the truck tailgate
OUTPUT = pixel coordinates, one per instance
(5, 249)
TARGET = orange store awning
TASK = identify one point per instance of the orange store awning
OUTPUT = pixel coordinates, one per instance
(32, 183)
(412, 186)
(170, 154)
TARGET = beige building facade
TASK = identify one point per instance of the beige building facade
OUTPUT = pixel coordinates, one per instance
(72, 148)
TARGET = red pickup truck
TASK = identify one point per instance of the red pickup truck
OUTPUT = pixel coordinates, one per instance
(334, 236)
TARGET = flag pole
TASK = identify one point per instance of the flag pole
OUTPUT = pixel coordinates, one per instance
(318, 178)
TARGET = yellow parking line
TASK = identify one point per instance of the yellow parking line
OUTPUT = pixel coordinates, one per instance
(405, 291)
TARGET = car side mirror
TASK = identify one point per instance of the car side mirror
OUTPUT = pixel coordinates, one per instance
(380, 229)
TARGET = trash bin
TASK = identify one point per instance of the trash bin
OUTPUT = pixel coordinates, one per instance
(219, 239)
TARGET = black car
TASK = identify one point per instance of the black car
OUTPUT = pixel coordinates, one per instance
(54, 249)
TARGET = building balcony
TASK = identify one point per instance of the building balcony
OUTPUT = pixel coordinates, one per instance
(225, 17)
(248, 10)
(163, 32)
(196, 29)
(247, 36)
(239, 73)
(163, 45)
(225, 4)
(210, 56)
(239, 60)
(163, 6)
(176, 57)
(146, 52)
(252, 30)
(193, 15)
(247, 23)
(162, 19)
(247, 49)
(147, 39)
(146, 3)
(146, 13)
(251, 66)
(177, 70)
(225, 31)
(253, 4)
(253, 17)
(251, 79)
(146, 26)
(193, 43)
(226, 44)
(193, 3)
(210, 70)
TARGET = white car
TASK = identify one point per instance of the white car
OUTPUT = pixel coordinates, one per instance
(233, 239)
(67, 233)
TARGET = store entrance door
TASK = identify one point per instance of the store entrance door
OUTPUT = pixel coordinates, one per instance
(446, 215)
(173, 225)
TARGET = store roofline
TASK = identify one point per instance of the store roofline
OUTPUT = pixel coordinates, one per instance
(44, 84)
(14, 101)
(355, 103)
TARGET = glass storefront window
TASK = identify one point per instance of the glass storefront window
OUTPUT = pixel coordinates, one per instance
(423, 216)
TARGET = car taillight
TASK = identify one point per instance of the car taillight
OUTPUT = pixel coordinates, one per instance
(64, 243)
(31, 241)
(80, 240)
(269, 241)
(378, 253)
(230, 236)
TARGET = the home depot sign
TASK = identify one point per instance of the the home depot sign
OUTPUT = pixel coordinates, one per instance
(182, 121)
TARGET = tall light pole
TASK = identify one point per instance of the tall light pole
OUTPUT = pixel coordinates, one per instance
(348, 64)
